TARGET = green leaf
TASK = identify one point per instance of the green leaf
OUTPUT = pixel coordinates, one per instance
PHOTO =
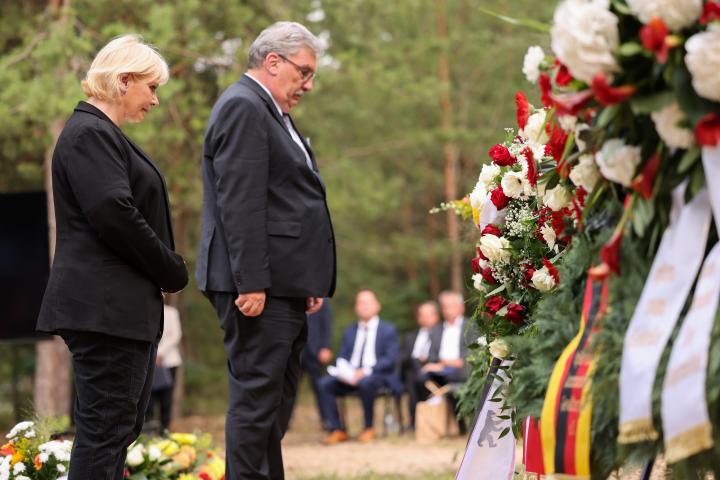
(505, 431)
(607, 116)
(689, 159)
(520, 22)
(629, 49)
(651, 103)
(620, 7)
(496, 291)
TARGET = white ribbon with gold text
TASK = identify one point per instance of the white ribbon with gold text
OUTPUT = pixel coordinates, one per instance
(672, 275)
(686, 424)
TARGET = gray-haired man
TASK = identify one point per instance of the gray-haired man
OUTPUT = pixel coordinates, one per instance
(267, 248)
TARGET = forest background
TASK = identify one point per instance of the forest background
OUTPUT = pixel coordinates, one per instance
(409, 97)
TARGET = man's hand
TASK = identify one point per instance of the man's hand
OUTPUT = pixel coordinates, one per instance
(456, 363)
(359, 375)
(324, 356)
(314, 304)
(251, 304)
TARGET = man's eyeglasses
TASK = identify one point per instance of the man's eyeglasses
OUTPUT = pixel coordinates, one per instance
(305, 72)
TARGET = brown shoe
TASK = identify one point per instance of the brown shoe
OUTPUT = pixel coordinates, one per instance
(336, 436)
(367, 436)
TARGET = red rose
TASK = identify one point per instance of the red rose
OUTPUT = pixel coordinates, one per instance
(653, 37)
(488, 276)
(476, 265)
(707, 130)
(491, 230)
(711, 12)
(522, 111)
(515, 313)
(529, 271)
(563, 76)
(499, 199)
(494, 303)
(501, 156)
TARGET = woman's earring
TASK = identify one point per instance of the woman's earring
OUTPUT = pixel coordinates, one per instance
(123, 89)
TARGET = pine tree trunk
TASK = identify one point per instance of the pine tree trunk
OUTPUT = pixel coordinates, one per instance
(52, 364)
(449, 152)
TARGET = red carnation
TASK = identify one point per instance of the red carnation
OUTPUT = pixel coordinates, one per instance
(556, 144)
(491, 229)
(488, 276)
(608, 95)
(515, 313)
(498, 198)
(563, 76)
(494, 303)
(522, 109)
(532, 168)
(653, 37)
(707, 130)
(501, 156)
(545, 90)
(711, 12)
(552, 270)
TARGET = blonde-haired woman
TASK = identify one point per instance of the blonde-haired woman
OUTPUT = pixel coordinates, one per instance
(114, 256)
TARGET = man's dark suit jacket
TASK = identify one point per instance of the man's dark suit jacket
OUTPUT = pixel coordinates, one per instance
(386, 352)
(114, 238)
(467, 336)
(265, 221)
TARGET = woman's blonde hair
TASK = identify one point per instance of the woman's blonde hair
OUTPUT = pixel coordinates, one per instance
(125, 54)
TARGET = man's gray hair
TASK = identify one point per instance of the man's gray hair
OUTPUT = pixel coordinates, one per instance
(284, 38)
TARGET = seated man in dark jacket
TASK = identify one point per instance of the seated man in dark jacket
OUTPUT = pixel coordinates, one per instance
(371, 348)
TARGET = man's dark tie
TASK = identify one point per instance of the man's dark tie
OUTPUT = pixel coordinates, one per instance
(362, 347)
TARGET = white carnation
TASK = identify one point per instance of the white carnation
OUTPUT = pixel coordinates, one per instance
(489, 173)
(667, 123)
(618, 161)
(135, 456)
(557, 198)
(584, 37)
(567, 122)
(534, 131)
(499, 348)
(19, 468)
(549, 235)
(703, 61)
(494, 248)
(531, 63)
(542, 280)
(514, 184)
(677, 14)
(585, 174)
(19, 428)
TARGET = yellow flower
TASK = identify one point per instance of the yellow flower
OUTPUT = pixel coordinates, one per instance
(187, 476)
(18, 456)
(184, 438)
(168, 447)
(185, 457)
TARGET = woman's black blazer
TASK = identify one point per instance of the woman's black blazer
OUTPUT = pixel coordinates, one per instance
(115, 248)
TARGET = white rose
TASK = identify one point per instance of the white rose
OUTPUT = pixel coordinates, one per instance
(477, 282)
(478, 197)
(534, 131)
(531, 63)
(677, 14)
(618, 161)
(557, 198)
(154, 452)
(549, 235)
(499, 348)
(584, 37)
(494, 248)
(703, 61)
(585, 174)
(542, 280)
(667, 122)
(513, 184)
(489, 173)
(135, 456)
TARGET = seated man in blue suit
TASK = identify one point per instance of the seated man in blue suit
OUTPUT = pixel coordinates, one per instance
(371, 347)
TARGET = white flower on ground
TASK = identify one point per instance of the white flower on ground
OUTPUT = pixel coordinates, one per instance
(584, 37)
(531, 63)
(22, 477)
(494, 248)
(667, 123)
(703, 61)
(60, 449)
(499, 348)
(549, 235)
(542, 280)
(44, 457)
(19, 468)
(514, 184)
(154, 452)
(534, 132)
(557, 198)
(677, 14)
(489, 173)
(135, 456)
(618, 161)
(478, 282)
(585, 174)
(19, 428)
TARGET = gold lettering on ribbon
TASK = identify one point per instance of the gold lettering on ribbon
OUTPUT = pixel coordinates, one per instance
(664, 273)
(708, 271)
(656, 307)
(643, 338)
(690, 366)
(703, 300)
